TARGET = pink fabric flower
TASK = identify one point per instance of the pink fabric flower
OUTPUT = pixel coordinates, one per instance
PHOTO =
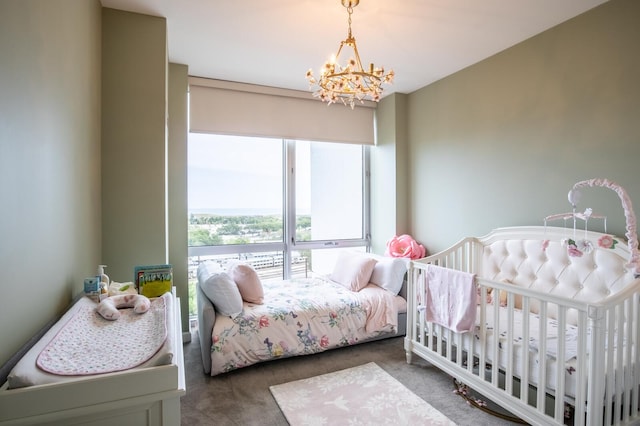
(573, 251)
(607, 241)
(405, 246)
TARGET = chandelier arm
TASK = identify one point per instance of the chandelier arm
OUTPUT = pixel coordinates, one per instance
(355, 51)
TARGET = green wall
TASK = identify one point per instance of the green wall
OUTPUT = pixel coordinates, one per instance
(500, 143)
(134, 142)
(389, 174)
(83, 147)
(144, 150)
(49, 161)
(177, 185)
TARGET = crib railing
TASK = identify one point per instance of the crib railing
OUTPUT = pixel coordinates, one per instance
(600, 382)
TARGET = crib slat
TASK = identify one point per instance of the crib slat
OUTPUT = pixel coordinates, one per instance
(524, 384)
(542, 359)
(627, 339)
(481, 343)
(496, 345)
(597, 359)
(560, 360)
(634, 343)
(610, 382)
(510, 339)
(581, 371)
(619, 364)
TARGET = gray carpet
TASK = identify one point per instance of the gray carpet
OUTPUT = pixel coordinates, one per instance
(242, 397)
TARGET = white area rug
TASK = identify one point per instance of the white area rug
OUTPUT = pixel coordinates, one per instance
(363, 395)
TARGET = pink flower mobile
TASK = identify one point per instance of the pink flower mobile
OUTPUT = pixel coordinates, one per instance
(607, 241)
(405, 246)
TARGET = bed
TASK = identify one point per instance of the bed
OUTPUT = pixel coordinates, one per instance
(549, 324)
(301, 316)
(44, 387)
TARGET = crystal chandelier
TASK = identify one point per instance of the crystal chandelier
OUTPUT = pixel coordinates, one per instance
(350, 82)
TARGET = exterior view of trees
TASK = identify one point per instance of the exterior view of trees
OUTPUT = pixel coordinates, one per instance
(211, 229)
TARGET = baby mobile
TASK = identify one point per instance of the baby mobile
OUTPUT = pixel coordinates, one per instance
(577, 247)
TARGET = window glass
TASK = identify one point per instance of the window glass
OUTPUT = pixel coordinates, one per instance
(240, 206)
(329, 191)
(235, 190)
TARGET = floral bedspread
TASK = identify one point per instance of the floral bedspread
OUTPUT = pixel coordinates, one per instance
(300, 316)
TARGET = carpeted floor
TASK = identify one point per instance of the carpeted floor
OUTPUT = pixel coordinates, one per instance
(242, 397)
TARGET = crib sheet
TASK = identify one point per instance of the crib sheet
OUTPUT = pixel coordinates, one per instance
(27, 373)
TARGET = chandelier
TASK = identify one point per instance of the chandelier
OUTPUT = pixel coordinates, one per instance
(350, 82)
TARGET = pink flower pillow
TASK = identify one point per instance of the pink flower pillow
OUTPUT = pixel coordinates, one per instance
(405, 246)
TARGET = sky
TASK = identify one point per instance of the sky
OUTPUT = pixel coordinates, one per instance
(232, 172)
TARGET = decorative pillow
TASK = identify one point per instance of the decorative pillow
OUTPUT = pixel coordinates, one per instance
(218, 286)
(353, 270)
(389, 273)
(248, 282)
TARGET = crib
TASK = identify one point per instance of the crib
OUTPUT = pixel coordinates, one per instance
(556, 330)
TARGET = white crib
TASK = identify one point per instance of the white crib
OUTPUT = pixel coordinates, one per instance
(561, 305)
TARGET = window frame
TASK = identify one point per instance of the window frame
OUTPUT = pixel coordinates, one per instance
(289, 243)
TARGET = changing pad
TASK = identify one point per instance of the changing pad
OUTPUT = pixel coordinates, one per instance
(27, 373)
(90, 344)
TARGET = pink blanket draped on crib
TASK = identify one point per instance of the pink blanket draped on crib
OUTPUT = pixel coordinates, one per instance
(450, 298)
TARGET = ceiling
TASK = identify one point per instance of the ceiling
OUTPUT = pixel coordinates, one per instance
(275, 42)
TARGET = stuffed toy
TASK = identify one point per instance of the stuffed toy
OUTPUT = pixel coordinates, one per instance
(108, 308)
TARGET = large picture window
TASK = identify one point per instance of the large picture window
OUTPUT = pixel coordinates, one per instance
(286, 207)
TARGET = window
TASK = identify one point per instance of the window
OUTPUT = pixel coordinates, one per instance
(287, 207)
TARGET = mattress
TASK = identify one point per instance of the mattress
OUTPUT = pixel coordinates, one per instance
(28, 373)
(498, 328)
(302, 316)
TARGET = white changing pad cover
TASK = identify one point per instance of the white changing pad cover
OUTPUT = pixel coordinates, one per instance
(91, 344)
(27, 373)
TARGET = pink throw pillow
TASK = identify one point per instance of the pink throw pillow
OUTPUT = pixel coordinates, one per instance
(248, 282)
(353, 270)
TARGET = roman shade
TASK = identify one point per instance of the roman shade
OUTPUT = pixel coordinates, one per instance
(224, 107)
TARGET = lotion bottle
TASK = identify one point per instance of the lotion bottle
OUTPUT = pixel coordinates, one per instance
(104, 282)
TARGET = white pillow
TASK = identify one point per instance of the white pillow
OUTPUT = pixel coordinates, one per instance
(389, 273)
(353, 270)
(218, 286)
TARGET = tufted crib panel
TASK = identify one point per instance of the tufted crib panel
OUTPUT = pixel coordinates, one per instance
(583, 312)
(521, 259)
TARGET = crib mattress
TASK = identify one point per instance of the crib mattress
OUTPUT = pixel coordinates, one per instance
(497, 329)
(27, 372)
